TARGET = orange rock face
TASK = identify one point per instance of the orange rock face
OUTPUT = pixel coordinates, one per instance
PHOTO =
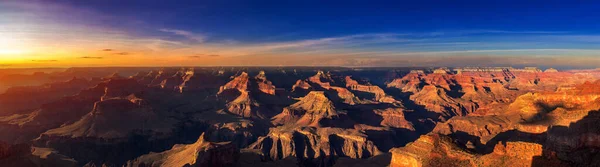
(394, 117)
(264, 85)
(239, 82)
(529, 115)
(314, 110)
(312, 143)
(431, 150)
(200, 153)
(435, 150)
(378, 94)
(239, 95)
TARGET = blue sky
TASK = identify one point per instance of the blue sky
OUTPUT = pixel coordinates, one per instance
(392, 29)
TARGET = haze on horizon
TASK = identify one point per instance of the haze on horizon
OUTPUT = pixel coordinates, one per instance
(308, 33)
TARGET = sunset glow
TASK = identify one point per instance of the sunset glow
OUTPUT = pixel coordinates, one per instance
(329, 83)
(43, 33)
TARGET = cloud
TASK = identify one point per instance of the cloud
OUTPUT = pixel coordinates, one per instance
(5, 65)
(410, 61)
(114, 52)
(197, 56)
(517, 32)
(122, 53)
(330, 42)
(189, 35)
(91, 57)
(44, 60)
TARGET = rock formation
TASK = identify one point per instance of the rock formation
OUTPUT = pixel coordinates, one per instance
(439, 150)
(200, 153)
(314, 144)
(315, 109)
(376, 92)
(276, 116)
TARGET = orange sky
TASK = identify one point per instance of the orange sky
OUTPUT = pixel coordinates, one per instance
(55, 35)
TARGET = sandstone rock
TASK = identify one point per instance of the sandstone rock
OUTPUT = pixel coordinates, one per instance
(300, 84)
(264, 85)
(378, 94)
(200, 153)
(116, 118)
(437, 150)
(314, 143)
(315, 109)
(240, 93)
(431, 150)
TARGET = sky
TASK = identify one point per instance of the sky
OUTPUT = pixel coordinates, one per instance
(75, 33)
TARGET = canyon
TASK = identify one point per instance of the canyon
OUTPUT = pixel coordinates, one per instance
(301, 116)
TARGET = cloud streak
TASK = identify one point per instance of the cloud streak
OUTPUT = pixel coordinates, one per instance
(44, 61)
(91, 57)
(189, 35)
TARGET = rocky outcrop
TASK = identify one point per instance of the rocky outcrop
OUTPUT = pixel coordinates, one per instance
(315, 109)
(323, 82)
(301, 84)
(243, 99)
(438, 100)
(531, 113)
(161, 75)
(243, 106)
(196, 81)
(536, 129)
(439, 150)
(119, 128)
(315, 144)
(263, 84)
(476, 92)
(431, 150)
(322, 79)
(116, 118)
(409, 83)
(375, 93)
(240, 133)
(394, 117)
(445, 94)
(200, 153)
(484, 127)
(513, 154)
(576, 143)
(239, 82)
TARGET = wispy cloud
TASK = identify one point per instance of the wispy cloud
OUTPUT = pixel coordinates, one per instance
(513, 32)
(122, 53)
(189, 35)
(44, 60)
(91, 57)
(331, 42)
